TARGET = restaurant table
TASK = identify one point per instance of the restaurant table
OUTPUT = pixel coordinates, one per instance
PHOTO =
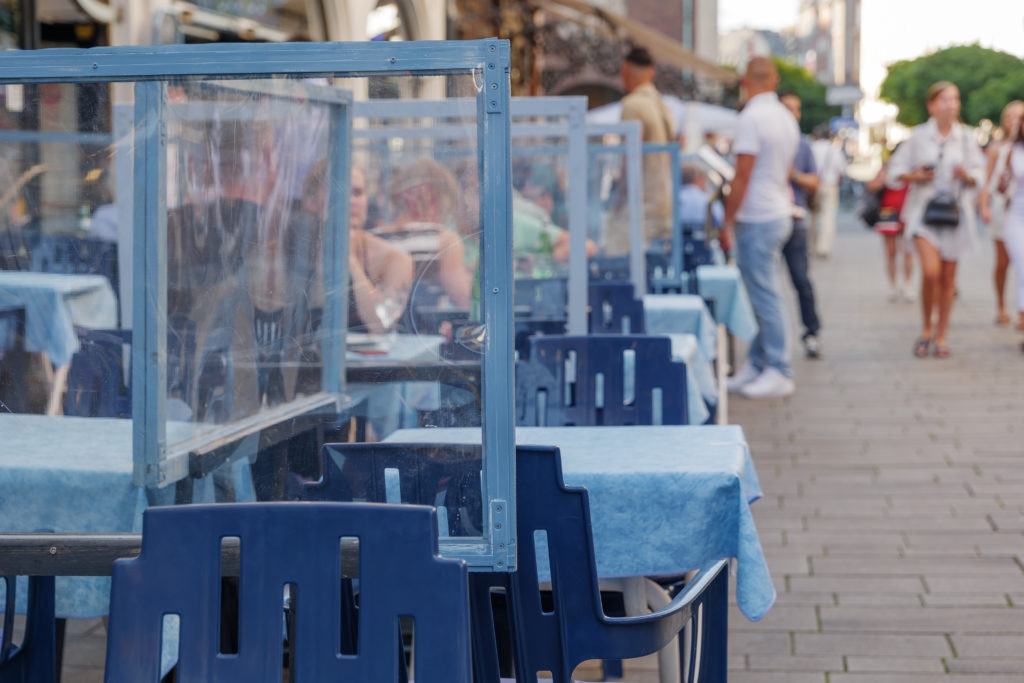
(724, 287)
(74, 474)
(701, 386)
(663, 500)
(54, 303)
(681, 314)
(393, 405)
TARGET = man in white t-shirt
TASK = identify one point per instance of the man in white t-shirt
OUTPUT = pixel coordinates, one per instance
(831, 163)
(759, 216)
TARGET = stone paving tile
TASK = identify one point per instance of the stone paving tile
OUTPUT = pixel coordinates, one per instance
(913, 665)
(776, 677)
(994, 566)
(792, 663)
(876, 645)
(985, 665)
(930, 620)
(991, 645)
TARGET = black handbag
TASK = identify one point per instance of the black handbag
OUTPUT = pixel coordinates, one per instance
(942, 211)
(870, 207)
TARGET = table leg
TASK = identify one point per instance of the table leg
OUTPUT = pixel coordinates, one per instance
(722, 366)
(641, 596)
(58, 383)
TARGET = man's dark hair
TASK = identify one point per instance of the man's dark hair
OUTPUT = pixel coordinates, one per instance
(788, 93)
(639, 56)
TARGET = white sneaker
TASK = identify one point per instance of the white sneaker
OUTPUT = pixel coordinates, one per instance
(895, 294)
(770, 384)
(742, 377)
(909, 294)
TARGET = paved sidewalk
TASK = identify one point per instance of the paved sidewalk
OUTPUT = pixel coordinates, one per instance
(893, 516)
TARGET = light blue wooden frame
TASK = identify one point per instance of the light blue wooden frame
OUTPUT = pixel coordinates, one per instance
(146, 66)
(572, 108)
(672, 149)
(631, 148)
(164, 463)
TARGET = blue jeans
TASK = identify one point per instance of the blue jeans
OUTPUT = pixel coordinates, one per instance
(795, 252)
(757, 245)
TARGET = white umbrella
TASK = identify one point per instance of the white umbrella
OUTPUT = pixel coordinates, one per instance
(710, 118)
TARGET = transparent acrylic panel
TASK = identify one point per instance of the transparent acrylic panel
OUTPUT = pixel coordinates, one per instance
(59, 272)
(615, 205)
(540, 225)
(270, 265)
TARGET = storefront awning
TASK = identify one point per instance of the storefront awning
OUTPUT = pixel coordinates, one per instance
(665, 50)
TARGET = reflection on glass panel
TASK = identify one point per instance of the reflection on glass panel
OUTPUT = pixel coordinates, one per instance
(322, 274)
(608, 215)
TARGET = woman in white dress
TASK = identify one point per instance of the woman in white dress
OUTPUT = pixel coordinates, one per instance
(997, 189)
(1010, 172)
(940, 158)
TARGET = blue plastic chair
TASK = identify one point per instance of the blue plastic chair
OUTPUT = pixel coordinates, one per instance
(540, 308)
(602, 380)
(71, 254)
(299, 544)
(34, 660)
(446, 476)
(96, 384)
(613, 309)
(542, 299)
(571, 628)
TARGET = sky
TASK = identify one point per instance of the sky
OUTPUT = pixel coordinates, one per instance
(892, 30)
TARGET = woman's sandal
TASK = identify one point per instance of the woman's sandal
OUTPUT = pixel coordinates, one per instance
(1003, 319)
(921, 347)
(941, 351)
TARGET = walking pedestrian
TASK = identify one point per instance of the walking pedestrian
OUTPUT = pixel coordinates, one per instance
(803, 180)
(890, 226)
(757, 213)
(831, 163)
(643, 103)
(943, 164)
(997, 188)
(1009, 172)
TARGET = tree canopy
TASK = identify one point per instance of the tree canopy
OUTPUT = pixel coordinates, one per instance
(811, 92)
(987, 80)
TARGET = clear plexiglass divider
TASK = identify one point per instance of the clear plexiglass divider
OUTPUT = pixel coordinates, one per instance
(262, 316)
(615, 210)
(548, 201)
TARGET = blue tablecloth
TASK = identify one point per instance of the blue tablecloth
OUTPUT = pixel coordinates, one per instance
(663, 500)
(723, 286)
(700, 376)
(681, 314)
(74, 474)
(54, 303)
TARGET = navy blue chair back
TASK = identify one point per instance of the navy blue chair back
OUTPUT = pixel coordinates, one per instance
(98, 382)
(557, 636)
(289, 544)
(603, 380)
(542, 299)
(445, 476)
(34, 660)
(96, 379)
(609, 268)
(614, 309)
(76, 255)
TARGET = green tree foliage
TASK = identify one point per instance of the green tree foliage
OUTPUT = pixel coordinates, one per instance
(810, 91)
(986, 79)
(987, 102)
